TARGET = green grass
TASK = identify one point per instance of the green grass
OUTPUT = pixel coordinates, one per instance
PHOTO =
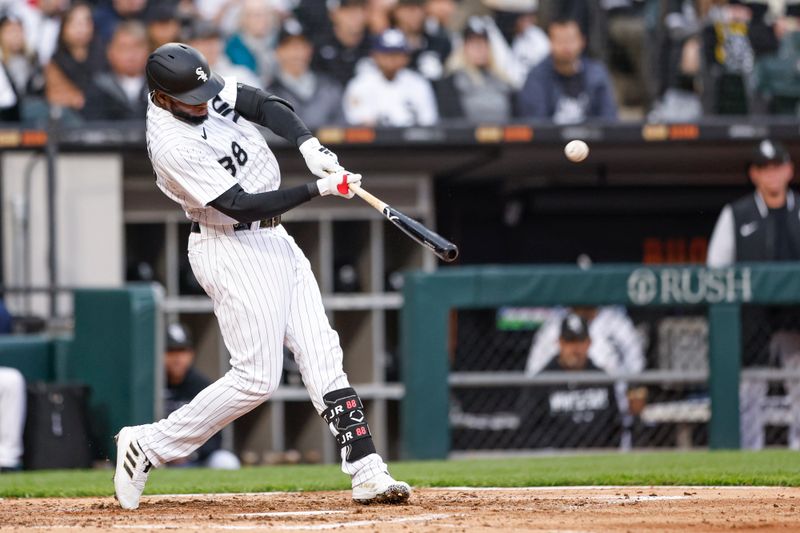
(656, 468)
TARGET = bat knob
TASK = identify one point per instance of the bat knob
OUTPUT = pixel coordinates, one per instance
(450, 253)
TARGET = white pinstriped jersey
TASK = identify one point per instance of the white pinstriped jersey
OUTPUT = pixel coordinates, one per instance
(194, 164)
(264, 292)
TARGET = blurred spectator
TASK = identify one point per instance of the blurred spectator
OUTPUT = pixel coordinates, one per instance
(121, 93)
(785, 17)
(678, 56)
(729, 57)
(252, 46)
(566, 87)
(317, 98)
(12, 418)
(207, 39)
(379, 15)
(21, 66)
(106, 17)
(474, 88)
(390, 94)
(571, 415)
(627, 51)
(77, 59)
(518, 43)
(530, 44)
(777, 80)
(440, 16)
(226, 15)
(587, 13)
(764, 226)
(6, 322)
(187, 11)
(163, 25)
(313, 16)
(42, 22)
(338, 53)
(429, 51)
(768, 22)
(184, 382)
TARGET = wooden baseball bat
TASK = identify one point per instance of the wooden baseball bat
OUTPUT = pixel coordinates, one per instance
(444, 249)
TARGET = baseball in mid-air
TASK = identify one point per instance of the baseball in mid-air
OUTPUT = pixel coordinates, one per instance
(576, 151)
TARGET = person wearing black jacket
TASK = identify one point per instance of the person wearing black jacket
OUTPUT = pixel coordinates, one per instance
(338, 52)
(121, 92)
(184, 382)
(764, 226)
(429, 50)
(571, 415)
(315, 96)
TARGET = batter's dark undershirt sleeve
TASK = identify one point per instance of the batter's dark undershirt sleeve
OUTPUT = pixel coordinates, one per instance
(245, 207)
(271, 112)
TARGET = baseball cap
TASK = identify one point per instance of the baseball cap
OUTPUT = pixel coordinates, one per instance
(291, 28)
(574, 328)
(390, 41)
(475, 27)
(178, 337)
(769, 152)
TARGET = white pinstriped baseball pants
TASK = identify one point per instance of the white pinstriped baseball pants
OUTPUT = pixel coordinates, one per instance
(265, 296)
(12, 416)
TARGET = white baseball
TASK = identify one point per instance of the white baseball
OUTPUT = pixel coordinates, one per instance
(576, 151)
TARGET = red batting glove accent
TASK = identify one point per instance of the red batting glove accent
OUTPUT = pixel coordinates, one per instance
(343, 187)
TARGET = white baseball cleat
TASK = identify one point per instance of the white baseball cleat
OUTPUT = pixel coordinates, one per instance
(382, 488)
(133, 467)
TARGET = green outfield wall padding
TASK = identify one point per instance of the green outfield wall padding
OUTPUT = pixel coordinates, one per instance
(114, 352)
(33, 355)
(429, 298)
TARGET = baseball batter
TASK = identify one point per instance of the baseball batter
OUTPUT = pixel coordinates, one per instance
(210, 158)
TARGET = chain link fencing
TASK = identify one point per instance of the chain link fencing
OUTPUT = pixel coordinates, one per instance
(644, 384)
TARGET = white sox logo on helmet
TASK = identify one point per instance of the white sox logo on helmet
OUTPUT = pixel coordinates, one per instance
(201, 75)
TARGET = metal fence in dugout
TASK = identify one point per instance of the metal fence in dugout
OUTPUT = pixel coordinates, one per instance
(644, 382)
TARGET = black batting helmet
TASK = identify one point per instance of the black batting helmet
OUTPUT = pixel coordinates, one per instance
(183, 73)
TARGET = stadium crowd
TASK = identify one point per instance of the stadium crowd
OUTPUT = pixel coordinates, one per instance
(414, 62)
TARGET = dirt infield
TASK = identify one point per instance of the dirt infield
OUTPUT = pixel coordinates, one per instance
(584, 509)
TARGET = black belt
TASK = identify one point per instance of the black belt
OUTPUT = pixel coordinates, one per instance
(243, 226)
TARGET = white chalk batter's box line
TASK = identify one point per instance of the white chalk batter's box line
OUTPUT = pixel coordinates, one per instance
(286, 513)
(297, 527)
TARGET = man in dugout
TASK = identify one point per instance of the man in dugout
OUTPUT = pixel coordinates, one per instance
(183, 383)
(569, 414)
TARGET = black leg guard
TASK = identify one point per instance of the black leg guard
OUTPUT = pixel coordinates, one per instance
(346, 412)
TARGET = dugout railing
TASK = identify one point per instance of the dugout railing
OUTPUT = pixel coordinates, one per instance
(428, 319)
